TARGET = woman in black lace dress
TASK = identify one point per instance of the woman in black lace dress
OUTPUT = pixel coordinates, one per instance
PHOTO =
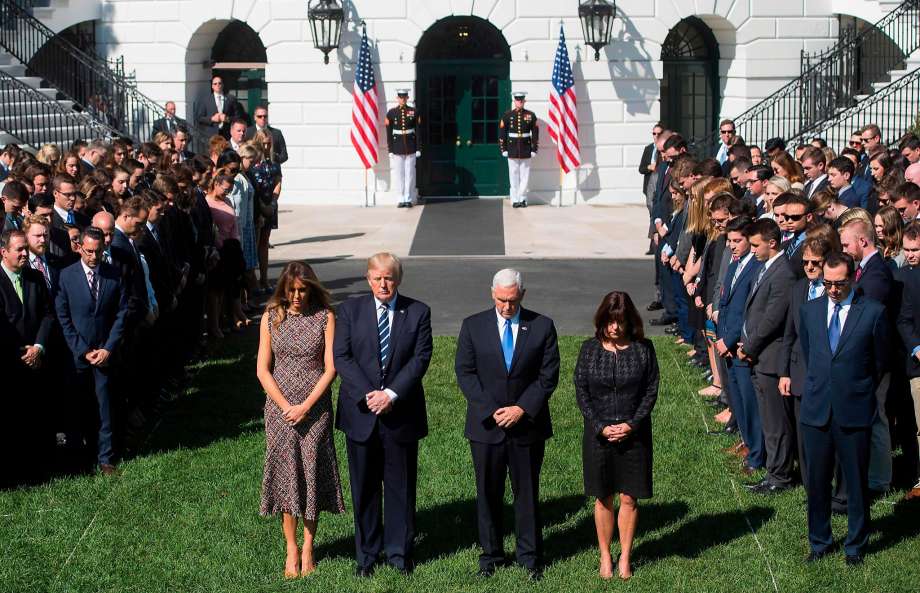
(616, 385)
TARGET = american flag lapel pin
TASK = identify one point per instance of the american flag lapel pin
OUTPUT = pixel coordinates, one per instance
(523, 328)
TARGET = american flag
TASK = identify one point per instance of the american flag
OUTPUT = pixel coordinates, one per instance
(563, 112)
(364, 112)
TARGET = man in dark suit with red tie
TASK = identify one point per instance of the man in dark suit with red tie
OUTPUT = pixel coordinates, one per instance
(26, 321)
(92, 305)
(507, 366)
(382, 349)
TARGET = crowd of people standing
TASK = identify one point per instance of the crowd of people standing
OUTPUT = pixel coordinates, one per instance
(120, 263)
(792, 279)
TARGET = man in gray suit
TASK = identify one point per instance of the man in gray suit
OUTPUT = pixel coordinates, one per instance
(762, 344)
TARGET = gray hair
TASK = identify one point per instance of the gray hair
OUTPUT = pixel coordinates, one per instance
(507, 278)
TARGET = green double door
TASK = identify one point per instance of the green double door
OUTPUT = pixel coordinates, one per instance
(460, 103)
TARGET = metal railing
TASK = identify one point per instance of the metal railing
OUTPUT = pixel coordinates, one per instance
(829, 80)
(34, 119)
(91, 82)
(894, 108)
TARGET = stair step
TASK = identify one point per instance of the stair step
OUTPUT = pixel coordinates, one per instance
(33, 81)
(20, 107)
(14, 70)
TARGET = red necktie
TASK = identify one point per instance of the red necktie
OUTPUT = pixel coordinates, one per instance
(859, 271)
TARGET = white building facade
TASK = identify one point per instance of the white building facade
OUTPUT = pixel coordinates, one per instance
(722, 57)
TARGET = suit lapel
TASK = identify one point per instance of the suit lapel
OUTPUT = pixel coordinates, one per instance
(522, 335)
(399, 317)
(856, 309)
(103, 282)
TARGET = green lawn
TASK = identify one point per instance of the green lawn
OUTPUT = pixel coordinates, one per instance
(183, 516)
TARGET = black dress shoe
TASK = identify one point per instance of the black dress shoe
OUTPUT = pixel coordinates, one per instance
(364, 572)
(672, 330)
(759, 484)
(535, 574)
(406, 569)
(654, 306)
(855, 560)
(662, 321)
(768, 488)
(515, 204)
(486, 571)
(815, 556)
(401, 205)
(524, 204)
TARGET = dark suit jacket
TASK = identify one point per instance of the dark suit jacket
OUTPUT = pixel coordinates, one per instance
(357, 361)
(32, 318)
(661, 206)
(795, 261)
(644, 163)
(54, 268)
(792, 360)
(876, 280)
(488, 385)
(206, 107)
(843, 383)
(160, 124)
(765, 316)
(89, 324)
(126, 259)
(821, 187)
(160, 277)
(733, 300)
(278, 143)
(908, 320)
(11, 222)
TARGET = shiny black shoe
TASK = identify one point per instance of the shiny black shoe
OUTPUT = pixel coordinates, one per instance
(401, 205)
(486, 572)
(654, 306)
(854, 560)
(672, 330)
(524, 204)
(535, 574)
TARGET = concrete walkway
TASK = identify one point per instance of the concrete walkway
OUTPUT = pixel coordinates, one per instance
(539, 231)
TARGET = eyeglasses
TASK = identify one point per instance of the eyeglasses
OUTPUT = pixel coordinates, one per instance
(901, 210)
(72, 194)
(812, 262)
(727, 131)
(836, 283)
(855, 143)
(656, 134)
(792, 217)
(262, 116)
(864, 139)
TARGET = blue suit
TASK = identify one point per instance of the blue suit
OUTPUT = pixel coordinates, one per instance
(742, 397)
(89, 324)
(389, 440)
(838, 409)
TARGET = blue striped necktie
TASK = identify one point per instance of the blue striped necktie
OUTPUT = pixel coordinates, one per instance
(383, 332)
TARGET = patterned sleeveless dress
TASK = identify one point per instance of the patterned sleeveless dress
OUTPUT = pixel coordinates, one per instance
(301, 475)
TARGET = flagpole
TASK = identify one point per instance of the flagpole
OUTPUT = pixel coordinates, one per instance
(365, 188)
(561, 184)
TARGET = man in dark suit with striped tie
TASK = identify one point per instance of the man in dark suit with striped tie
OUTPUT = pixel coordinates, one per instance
(507, 366)
(382, 349)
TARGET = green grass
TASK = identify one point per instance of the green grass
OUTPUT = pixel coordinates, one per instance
(183, 515)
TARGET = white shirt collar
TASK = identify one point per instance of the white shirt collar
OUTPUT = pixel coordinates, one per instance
(391, 305)
(86, 268)
(769, 262)
(61, 212)
(514, 320)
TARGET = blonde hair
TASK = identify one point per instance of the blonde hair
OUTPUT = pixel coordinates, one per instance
(49, 154)
(385, 260)
(248, 150)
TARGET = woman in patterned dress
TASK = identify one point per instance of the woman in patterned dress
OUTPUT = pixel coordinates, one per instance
(266, 177)
(295, 367)
(616, 385)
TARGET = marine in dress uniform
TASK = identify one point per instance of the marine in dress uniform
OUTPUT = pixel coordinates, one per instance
(403, 145)
(519, 138)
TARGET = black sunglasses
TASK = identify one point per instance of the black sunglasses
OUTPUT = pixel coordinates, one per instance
(836, 283)
(792, 217)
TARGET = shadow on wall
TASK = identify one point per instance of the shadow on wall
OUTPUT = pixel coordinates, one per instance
(631, 69)
(347, 58)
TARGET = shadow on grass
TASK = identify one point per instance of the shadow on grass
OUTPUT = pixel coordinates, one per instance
(693, 538)
(900, 525)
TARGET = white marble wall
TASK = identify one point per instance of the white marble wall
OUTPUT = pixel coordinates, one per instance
(166, 42)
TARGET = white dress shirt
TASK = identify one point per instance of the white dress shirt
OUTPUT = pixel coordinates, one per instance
(844, 310)
(515, 324)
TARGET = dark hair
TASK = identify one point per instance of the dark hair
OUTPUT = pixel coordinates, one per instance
(132, 165)
(822, 143)
(910, 141)
(767, 229)
(617, 306)
(850, 151)
(675, 141)
(842, 164)
(911, 231)
(41, 200)
(738, 225)
(763, 172)
(92, 232)
(708, 168)
(742, 163)
(15, 190)
(228, 156)
(815, 155)
(149, 149)
(8, 235)
(774, 144)
(740, 151)
(908, 191)
(238, 120)
(794, 198)
(835, 259)
(132, 206)
(722, 201)
(317, 295)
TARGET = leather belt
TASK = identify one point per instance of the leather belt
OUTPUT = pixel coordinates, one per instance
(403, 132)
(514, 135)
